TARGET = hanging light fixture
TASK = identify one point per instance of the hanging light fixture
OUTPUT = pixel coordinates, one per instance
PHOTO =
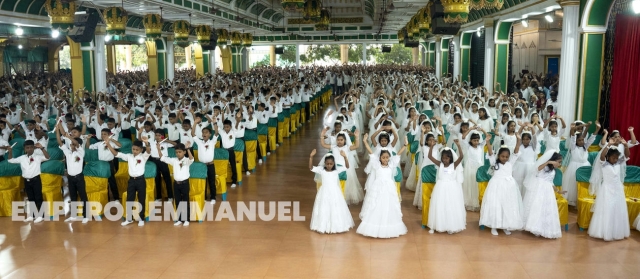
(456, 11)
(312, 10)
(203, 33)
(152, 26)
(236, 38)
(19, 31)
(486, 4)
(223, 37)
(116, 19)
(293, 5)
(325, 20)
(61, 14)
(181, 30)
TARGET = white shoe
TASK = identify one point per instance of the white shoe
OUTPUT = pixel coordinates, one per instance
(248, 173)
(140, 223)
(177, 224)
(29, 219)
(170, 200)
(494, 232)
(260, 162)
(85, 220)
(126, 223)
(212, 202)
(158, 200)
(38, 220)
(185, 224)
(268, 153)
(431, 231)
(233, 185)
(277, 145)
(507, 232)
(71, 219)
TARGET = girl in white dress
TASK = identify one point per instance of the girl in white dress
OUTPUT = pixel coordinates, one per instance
(624, 149)
(552, 135)
(502, 202)
(540, 206)
(446, 210)
(353, 192)
(526, 160)
(610, 219)
(578, 157)
(384, 145)
(473, 159)
(382, 217)
(330, 211)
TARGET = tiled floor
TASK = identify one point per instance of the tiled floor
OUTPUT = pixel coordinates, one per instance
(290, 250)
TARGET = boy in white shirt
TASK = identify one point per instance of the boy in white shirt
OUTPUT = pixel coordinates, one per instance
(137, 183)
(105, 155)
(74, 157)
(181, 177)
(206, 154)
(162, 168)
(30, 165)
(228, 138)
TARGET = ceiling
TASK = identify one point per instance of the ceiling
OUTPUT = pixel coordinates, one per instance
(266, 17)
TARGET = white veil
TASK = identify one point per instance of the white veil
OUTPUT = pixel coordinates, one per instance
(459, 170)
(530, 178)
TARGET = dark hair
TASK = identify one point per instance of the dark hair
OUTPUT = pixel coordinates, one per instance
(106, 130)
(428, 136)
(554, 157)
(79, 141)
(172, 115)
(159, 131)
(610, 152)
(137, 143)
(474, 136)
(227, 122)
(28, 143)
(180, 146)
(447, 153)
(385, 136)
(526, 135)
(330, 157)
(486, 114)
(500, 151)
(383, 152)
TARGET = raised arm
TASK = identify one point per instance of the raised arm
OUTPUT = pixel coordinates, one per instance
(460, 154)
(322, 134)
(366, 144)
(313, 153)
(433, 159)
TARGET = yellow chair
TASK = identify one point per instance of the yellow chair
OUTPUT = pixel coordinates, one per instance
(221, 162)
(632, 192)
(428, 176)
(150, 173)
(263, 138)
(250, 146)
(96, 178)
(51, 177)
(563, 204)
(11, 183)
(585, 200)
(286, 125)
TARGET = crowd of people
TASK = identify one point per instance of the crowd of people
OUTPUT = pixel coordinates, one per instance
(403, 117)
(462, 130)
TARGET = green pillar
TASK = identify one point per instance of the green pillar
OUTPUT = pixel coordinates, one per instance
(590, 78)
(444, 48)
(161, 53)
(206, 55)
(236, 59)
(465, 56)
(501, 75)
(87, 66)
(432, 54)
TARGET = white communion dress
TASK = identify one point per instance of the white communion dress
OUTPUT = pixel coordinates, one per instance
(502, 203)
(540, 206)
(446, 210)
(382, 215)
(330, 211)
